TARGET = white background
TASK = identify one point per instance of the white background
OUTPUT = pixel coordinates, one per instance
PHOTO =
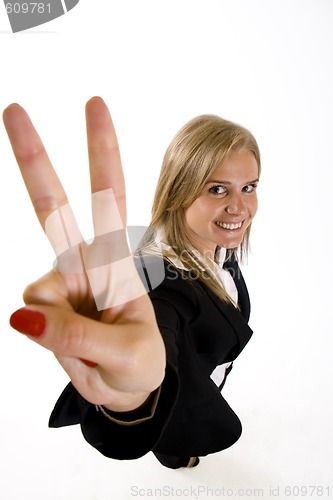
(266, 64)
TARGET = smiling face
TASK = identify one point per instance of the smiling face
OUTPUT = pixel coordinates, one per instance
(225, 208)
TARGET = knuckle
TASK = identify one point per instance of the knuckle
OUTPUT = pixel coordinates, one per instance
(48, 204)
(36, 293)
(30, 293)
(42, 291)
(31, 153)
(72, 338)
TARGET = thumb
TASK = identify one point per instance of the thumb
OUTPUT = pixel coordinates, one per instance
(74, 339)
(33, 323)
(62, 331)
(69, 334)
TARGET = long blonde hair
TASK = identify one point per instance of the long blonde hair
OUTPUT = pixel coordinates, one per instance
(194, 153)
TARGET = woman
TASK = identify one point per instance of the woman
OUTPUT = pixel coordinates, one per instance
(146, 371)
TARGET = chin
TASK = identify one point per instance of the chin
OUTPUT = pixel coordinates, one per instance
(229, 244)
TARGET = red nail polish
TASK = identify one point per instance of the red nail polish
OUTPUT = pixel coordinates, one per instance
(92, 364)
(28, 322)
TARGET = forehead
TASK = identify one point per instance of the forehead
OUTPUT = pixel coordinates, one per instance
(237, 166)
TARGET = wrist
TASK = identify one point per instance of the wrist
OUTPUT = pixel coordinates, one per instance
(130, 404)
(134, 416)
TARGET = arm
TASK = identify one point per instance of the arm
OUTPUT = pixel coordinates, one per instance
(132, 434)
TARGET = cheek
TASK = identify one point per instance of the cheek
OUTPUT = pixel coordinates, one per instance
(195, 211)
(253, 207)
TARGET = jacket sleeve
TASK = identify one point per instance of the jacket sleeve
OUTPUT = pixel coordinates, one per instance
(139, 435)
(113, 440)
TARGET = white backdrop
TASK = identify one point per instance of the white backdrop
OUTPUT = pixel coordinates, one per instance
(266, 64)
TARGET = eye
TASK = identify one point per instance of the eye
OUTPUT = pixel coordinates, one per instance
(218, 189)
(250, 188)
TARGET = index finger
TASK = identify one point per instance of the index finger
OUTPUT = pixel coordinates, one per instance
(42, 183)
(46, 192)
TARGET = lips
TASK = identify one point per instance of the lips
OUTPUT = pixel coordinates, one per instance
(231, 227)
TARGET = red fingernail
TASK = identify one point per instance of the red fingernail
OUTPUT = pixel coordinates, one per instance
(92, 364)
(28, 322)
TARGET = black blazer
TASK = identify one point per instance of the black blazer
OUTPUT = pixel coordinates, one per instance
(191, 418)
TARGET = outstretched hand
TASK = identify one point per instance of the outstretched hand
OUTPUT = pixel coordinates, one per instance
(91, 310)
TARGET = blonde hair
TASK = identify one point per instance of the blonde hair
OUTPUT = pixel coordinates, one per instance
(194, 153)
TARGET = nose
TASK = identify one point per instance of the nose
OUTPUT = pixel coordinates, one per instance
(236, 205)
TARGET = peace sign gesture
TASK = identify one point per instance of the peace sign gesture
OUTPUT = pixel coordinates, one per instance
(91, 310)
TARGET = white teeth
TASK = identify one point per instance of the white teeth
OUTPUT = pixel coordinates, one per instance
(229, 226)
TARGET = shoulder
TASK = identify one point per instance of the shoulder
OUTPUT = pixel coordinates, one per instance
(164, 281)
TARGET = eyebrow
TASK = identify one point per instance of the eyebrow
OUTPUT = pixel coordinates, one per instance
(229, 183)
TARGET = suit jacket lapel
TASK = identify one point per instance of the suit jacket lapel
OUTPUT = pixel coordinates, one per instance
(243, 294)
(236, 317)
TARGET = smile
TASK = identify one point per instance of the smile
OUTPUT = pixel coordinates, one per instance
(229, 226)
